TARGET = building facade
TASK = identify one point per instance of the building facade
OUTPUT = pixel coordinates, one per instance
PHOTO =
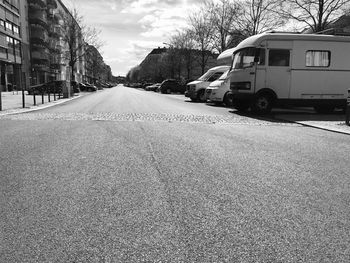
(47, 47)
(10, 45)
(33, 47)
(96, 69)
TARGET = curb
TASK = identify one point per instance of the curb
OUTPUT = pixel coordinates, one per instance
(320, 127)
(323, 128)
(39, 107)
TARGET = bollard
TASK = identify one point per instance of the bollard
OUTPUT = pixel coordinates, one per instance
(348, 109)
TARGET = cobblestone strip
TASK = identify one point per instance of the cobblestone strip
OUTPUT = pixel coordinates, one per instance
(206, 119)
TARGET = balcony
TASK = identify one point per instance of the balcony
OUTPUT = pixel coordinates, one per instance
(55, 32)
(52, 4)
(40, 49)
(40, 65)
(40, 56)
(39, 38)
(55, 66)
(54, 16)
(37, 4)
(38, 17)
(54, 47)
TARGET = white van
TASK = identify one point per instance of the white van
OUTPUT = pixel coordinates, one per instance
(196, 89)
(219, 90)
(273, 69)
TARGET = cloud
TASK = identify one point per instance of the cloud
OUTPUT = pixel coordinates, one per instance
(132, 28)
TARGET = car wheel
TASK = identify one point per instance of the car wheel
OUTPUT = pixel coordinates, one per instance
(262, 104)
(228, 99)
(201, 96)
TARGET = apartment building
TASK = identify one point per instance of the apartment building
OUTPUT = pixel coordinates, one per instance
(48, 48)
(33, 48)
(10, 45)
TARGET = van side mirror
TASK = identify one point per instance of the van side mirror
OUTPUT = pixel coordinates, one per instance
(256, 59)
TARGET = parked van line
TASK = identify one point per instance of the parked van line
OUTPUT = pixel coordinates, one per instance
(219, 90)
(196, 89)
(273, 69)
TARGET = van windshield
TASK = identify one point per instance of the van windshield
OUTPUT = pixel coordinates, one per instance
(224, 76)
(205, 76)
(245, 58)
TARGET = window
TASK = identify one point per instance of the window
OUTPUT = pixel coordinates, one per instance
(244, 58)
(10, 46)
(3, 53)
(260, 53)
(8, 25)
(318, 58)
(17, 48)
(215, 76)
(15, 29)
(2, 23)
(279, 57)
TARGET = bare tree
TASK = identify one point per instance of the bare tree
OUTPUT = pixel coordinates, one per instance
(184, 43)
(77, 36)
(224, 14)
(316, 14)
(202, 34)
(258, 16)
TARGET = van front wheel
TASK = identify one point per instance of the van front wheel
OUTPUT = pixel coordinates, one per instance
(228, 100)
(262, 104)
(201, 96)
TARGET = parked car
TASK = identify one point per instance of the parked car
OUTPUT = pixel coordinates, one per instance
(153, 87)
(219, 90)
(75, 86)
(145, 85)
(36, 89)
(82, 87)
(90, 87)
(172, 85)
(55, 86)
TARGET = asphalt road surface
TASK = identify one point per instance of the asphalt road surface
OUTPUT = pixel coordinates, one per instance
(125, 175)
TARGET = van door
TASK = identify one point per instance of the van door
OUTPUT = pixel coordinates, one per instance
(278, 72)
(243, 71)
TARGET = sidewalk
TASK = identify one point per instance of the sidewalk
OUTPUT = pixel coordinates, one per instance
(332, 122)
(12, 102)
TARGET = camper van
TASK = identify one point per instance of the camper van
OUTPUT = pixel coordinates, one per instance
(275, 69)
(219, 90)
(196, 89)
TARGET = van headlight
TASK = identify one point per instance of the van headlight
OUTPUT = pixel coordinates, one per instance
(240, 86)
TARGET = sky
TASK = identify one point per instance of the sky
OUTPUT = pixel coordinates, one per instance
(130, 29)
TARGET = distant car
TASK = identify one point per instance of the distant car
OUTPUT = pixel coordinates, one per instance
(75, 86)
(153, 87)
(55, 86)
(171, 85)
(145, 85)
(90, 87)
(36, 89)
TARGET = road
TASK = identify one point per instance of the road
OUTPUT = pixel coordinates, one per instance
(125, 175)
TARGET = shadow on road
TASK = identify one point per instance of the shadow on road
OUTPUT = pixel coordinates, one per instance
(288, 115)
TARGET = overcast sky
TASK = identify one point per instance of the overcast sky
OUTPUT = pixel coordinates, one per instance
(130, 29)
